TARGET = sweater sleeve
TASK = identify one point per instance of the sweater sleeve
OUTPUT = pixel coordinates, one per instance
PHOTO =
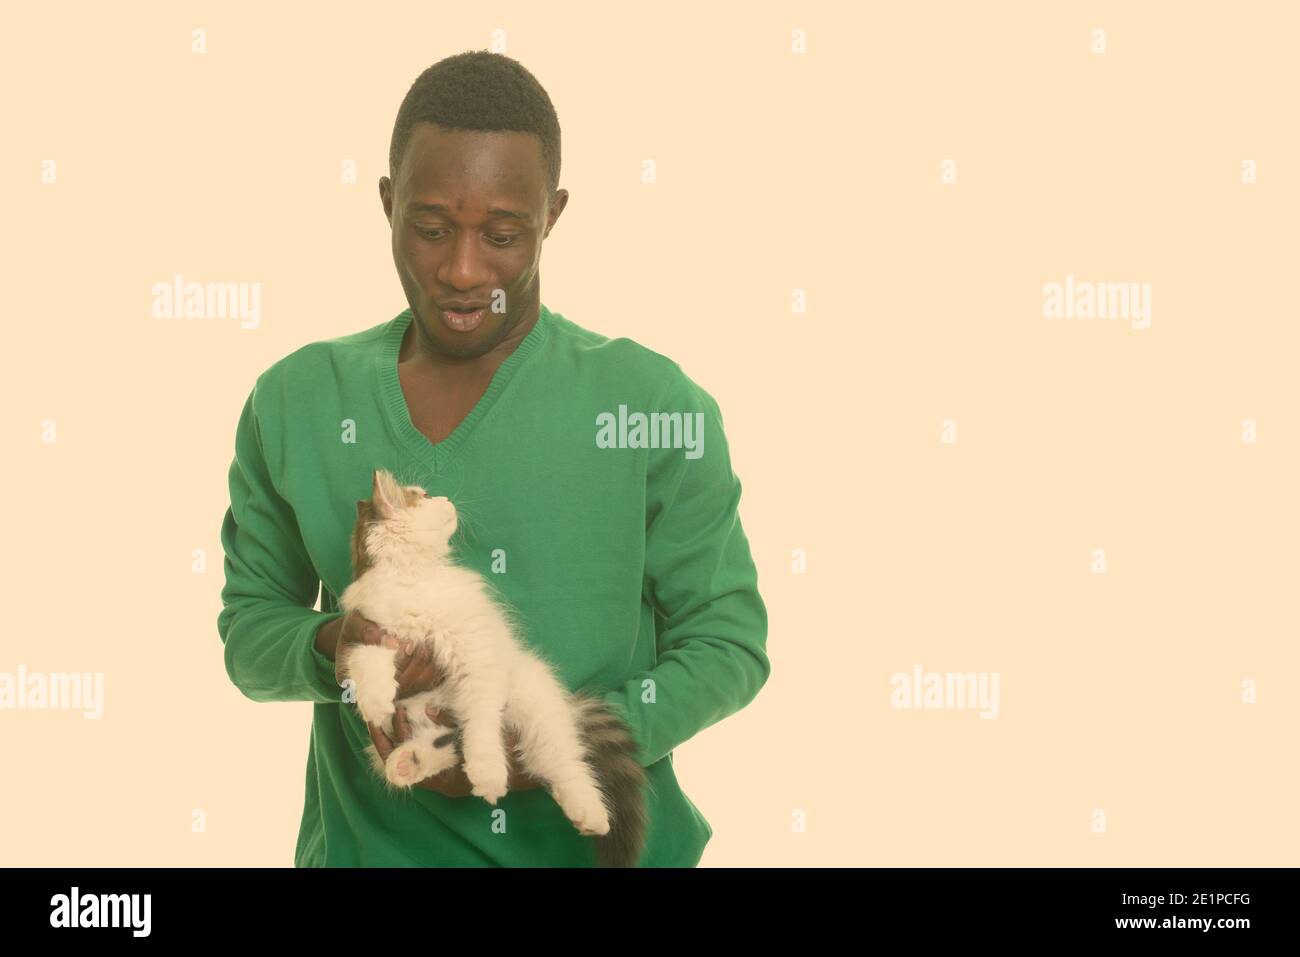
(268, 623)
(711, 622)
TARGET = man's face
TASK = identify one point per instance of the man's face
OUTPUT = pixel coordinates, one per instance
(469, 213)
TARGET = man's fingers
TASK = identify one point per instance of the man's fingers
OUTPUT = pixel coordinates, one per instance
(438, 715)
(418, 671)
(382, 744)
(400, 726)
(372, 634)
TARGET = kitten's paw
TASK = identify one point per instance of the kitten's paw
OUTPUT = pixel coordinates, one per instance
(403, 767)
(588, 814)
(413, 761)
(593, 822)
(376, 709)
(492, 785)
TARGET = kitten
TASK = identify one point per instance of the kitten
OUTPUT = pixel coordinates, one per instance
(405, 580)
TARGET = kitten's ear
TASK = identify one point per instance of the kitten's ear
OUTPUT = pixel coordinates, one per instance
(386, 494)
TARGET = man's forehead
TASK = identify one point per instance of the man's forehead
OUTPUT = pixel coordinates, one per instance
(434, 166)
(430, 140)
(418, 206)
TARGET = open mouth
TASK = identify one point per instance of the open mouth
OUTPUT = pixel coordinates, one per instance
(463, 320)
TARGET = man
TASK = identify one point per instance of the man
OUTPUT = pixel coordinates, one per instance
(592, 478)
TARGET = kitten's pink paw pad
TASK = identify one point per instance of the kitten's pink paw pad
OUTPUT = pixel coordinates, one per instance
(403, 768)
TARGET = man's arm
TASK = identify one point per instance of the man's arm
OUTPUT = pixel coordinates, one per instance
(268, 623)
(701, 580)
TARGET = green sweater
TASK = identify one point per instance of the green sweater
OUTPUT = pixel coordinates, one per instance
(617, 540)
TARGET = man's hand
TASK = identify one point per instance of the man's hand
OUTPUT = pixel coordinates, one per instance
(415, 669)
(335, 639)
(416, 672)
(453, 781)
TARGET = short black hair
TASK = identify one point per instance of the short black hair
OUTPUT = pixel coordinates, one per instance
(479, 90)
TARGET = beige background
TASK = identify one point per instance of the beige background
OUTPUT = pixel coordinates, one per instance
(777, 171)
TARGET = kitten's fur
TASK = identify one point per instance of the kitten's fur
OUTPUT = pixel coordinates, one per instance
(404, 579)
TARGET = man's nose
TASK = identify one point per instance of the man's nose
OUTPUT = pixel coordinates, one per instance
(466, 265)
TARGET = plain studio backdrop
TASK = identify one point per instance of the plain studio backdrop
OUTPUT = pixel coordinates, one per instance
(840, 219)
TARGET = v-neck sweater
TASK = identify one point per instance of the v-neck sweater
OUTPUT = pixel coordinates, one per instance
(595, 491)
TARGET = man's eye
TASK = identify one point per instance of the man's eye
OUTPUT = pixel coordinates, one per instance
(501, 241)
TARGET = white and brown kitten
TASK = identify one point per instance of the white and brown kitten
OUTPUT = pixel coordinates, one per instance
(405, 580)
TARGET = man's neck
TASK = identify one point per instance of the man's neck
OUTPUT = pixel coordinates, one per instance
(452, 371)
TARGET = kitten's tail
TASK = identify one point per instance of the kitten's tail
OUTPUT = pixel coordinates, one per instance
(611, 751)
